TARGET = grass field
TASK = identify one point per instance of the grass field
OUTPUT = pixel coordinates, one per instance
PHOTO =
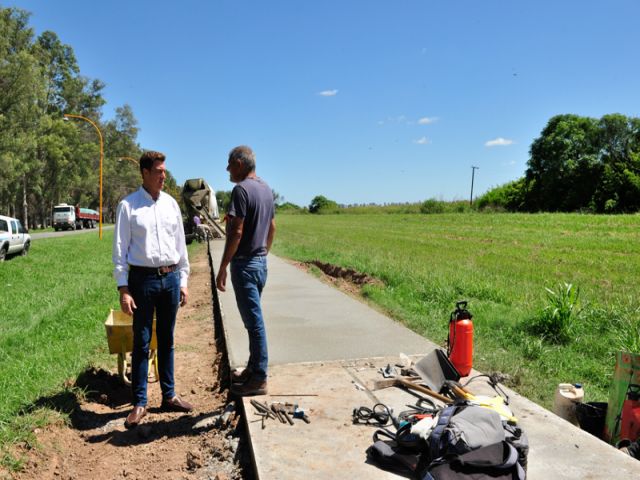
(501, 264)
(55, 300)
(52, 313)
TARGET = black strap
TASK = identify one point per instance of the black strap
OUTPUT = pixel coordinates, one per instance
(479, 458)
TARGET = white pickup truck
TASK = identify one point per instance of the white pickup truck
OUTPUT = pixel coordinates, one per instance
(14, 238)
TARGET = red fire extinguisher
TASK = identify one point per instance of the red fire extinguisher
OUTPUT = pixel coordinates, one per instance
(630, 421)
(460, 340)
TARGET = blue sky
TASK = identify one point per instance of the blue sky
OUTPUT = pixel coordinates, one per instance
(358, 100)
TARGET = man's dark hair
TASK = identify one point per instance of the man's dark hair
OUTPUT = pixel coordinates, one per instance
(147, 159)
(245, 155)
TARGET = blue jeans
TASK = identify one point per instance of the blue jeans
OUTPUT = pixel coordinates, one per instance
(162, 295)
(248, 276)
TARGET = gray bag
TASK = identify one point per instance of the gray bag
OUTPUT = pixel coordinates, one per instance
(463, 428)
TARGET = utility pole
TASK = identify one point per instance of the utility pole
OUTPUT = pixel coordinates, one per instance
(473, 174)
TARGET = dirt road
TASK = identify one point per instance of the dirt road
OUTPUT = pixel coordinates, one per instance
(167, 445)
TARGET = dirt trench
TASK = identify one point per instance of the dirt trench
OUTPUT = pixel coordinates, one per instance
(94, 443)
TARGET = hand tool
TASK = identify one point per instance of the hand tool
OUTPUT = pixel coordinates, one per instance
(401, 381)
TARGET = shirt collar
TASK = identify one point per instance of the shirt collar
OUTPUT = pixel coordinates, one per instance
(147, 195)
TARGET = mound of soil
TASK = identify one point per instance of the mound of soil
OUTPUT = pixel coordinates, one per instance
(348, 274)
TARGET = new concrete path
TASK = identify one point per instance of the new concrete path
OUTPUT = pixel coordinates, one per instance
(325, 349)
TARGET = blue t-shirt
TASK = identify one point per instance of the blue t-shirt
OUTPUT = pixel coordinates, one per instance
(252, 200)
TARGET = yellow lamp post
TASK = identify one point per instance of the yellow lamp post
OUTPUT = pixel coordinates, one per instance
(68, 115)
(131, 159)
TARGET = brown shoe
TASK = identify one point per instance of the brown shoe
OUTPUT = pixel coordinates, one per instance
(240, 376)
(250, 388)
(176, 404)
(134, 418)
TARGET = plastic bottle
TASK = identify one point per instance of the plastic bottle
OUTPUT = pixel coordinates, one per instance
(565, 399)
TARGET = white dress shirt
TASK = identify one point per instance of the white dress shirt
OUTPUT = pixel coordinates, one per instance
(149, 233)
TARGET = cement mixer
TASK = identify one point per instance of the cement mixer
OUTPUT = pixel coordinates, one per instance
(200, 201)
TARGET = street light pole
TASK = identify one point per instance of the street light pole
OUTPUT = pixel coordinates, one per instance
(68, 115)
(473, 173)
(131, 159)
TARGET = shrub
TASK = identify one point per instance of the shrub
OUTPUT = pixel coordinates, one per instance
(432, 206)
(555, 322)
(290, 208)
(510, 197)
(321, 204)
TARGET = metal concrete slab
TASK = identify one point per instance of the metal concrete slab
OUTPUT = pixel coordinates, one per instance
(309, 321)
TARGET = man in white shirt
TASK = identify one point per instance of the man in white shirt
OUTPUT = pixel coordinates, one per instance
(151, 271)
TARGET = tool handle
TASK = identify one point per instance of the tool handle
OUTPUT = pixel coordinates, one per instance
(262, 408)
(462, 393)
(425, 390)
(286, 415)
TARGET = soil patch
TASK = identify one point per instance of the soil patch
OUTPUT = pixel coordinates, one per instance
(201, 445)
(346, 279)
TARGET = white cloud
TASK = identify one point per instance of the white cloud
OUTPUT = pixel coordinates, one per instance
(427, 120)
(499, 142)
(422, 141)
(328, 93)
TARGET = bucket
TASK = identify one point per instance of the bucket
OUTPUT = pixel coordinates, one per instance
(591, 417)
(565, 399)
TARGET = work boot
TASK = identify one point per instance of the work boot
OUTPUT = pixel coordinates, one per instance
(250, 388)
(240, 376)
(134, 418)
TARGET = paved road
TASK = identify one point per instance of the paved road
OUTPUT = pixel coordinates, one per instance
(36, 236)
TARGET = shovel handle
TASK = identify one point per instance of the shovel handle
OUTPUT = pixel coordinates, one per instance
(425, 390)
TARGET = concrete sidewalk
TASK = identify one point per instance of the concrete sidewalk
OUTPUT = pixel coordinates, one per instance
(325, 349)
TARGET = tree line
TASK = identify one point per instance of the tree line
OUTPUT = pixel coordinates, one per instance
(45, 160)
(578, 164)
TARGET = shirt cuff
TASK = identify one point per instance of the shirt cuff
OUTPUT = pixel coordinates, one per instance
(122, 277)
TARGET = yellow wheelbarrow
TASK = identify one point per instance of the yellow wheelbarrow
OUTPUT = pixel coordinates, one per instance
(120, 338)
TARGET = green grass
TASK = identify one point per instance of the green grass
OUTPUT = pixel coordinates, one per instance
(502, 264)
(52, 313)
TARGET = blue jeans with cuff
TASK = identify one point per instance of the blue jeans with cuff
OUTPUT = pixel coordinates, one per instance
(249, 276)
(159, 293)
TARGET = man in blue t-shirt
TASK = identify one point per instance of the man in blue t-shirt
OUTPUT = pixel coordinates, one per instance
(251, 227)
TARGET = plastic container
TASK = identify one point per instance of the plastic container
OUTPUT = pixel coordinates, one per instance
(565, 399)
(630, 421)
(460, 341)
(591, 416)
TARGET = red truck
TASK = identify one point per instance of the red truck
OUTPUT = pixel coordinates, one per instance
(74, 218)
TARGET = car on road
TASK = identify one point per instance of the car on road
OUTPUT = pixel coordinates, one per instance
(14, 238)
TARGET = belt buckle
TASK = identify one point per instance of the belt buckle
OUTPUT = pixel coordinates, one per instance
(161, 273)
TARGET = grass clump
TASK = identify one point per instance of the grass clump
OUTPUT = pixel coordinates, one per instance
(555, 323)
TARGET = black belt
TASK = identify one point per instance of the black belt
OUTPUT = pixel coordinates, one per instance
(160, 271)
